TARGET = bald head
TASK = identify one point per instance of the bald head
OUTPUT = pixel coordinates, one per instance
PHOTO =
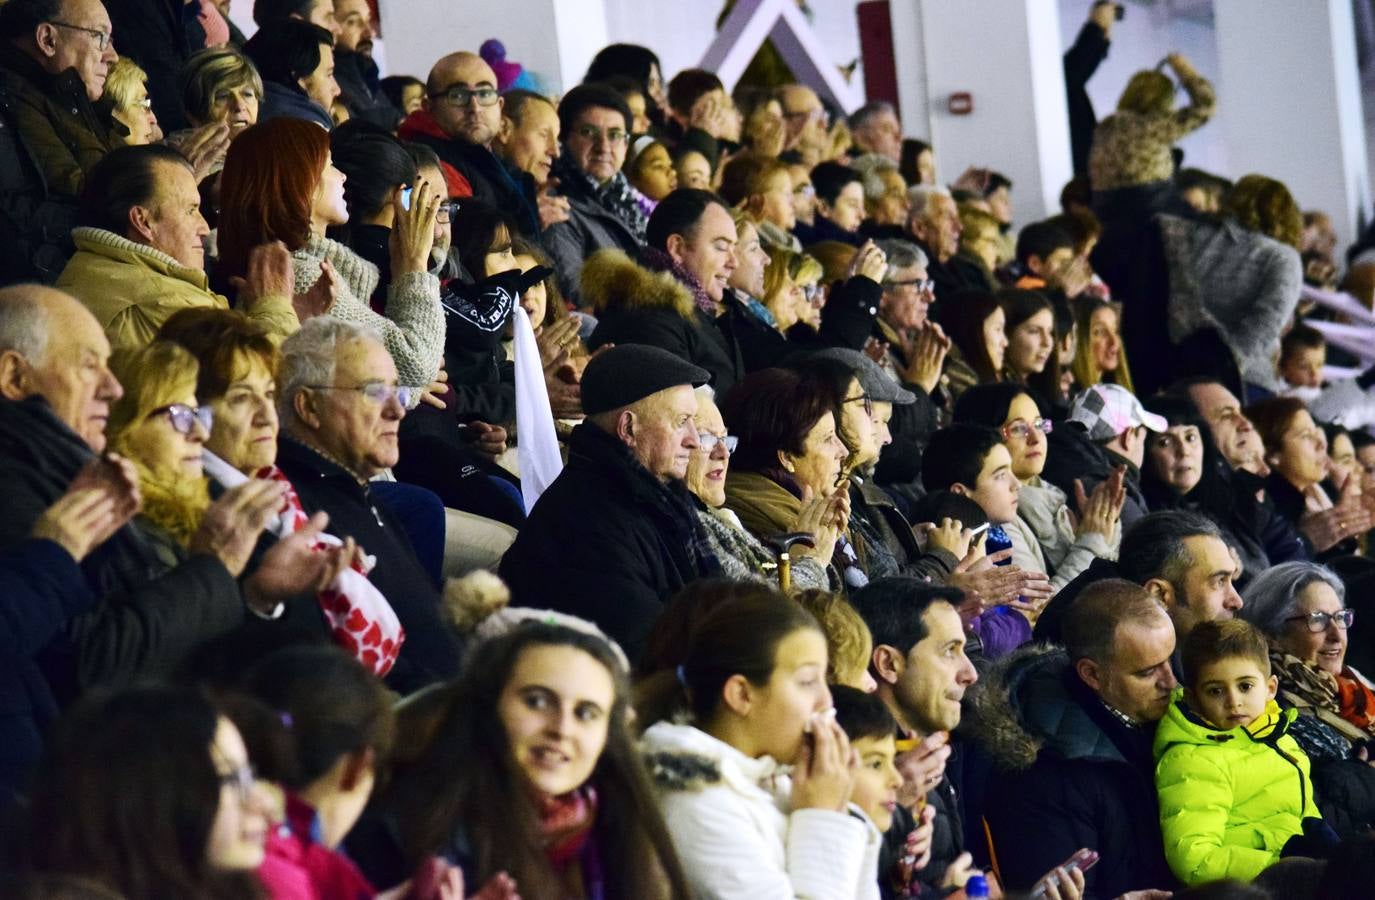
(470, 120)
(51, 346)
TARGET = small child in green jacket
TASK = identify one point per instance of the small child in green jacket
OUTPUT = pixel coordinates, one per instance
(1234, 786)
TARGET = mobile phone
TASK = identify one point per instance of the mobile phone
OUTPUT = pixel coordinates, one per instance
(1083, 860)
(405, 198)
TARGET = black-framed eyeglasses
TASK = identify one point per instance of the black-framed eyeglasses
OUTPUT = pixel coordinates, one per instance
(375, 391)
(709, 442)
(102, 38)
(460, 96)
(446, 211)
(184, 418)
(1317, 622)
(242, 778)
(1021, 429)
(866, 400)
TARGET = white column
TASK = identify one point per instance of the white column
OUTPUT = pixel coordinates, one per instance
(555, 38)
(1289, 94)
(1006, 54)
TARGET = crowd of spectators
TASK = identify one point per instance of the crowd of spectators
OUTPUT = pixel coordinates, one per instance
(439, 488)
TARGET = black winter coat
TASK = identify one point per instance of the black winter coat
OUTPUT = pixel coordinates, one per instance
(146, 618)
(430, 652)
(1067, 774)
(357, 75)
(761, 345)
(607, 541)
(41, 587)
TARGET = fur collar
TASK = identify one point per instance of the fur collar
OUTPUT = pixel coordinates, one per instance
(612, 281)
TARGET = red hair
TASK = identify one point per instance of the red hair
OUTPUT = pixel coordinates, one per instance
(267, 188)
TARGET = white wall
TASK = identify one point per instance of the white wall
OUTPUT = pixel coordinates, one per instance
(1141, 40)
(1294, 110)
(1019, 124)
(681, 30)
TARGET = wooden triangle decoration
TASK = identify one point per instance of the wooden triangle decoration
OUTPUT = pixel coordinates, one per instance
(752, 22)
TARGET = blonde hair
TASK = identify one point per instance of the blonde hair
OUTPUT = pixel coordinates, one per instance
(1086, 371)
(1147, 93)
(974, 223)
(787, 268)
(123, 82)
(154, 377)
(848, 642)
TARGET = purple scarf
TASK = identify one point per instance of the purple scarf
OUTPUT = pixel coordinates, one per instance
(659, 261)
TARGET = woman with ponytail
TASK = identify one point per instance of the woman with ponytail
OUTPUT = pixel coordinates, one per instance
(748, 699)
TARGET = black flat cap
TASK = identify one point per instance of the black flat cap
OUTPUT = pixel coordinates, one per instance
(630, 372)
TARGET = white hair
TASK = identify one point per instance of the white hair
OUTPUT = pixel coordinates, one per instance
(919, 195)
(309, 356)
(25, 321)
(871, 167)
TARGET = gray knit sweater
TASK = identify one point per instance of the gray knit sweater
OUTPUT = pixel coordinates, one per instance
(412, 329)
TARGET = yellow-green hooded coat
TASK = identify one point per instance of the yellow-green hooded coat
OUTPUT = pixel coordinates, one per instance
(1229, 800)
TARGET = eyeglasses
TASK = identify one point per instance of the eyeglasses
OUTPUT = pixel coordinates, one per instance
(805, 190)
(445, 213)
(1318, 621)
(375, 391)
(593, 133)
(866, 400)
(242, 778)
(921, 285)
(1021, 429)
(184, 418)
(709, 442)
(102, 38)
(459, 96)
(145, 104)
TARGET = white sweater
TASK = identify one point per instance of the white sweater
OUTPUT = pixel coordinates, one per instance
(731, 824)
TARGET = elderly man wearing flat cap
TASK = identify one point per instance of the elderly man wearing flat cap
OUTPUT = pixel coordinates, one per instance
(615, 535)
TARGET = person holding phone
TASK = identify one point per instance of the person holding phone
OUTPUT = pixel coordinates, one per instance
(1069, 734)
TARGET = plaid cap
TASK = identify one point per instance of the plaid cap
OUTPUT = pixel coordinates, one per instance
(1107, 410)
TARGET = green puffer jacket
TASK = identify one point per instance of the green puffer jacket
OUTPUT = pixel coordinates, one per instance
(1229, 800)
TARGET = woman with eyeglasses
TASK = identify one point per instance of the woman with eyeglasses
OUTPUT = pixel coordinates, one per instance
(280, 184)
(161, 428)
(1183, 469)
(884, 540)
(604, 209)
(790, 455)
(1046, 535)
(126, 95)
(377, 169)
(790, 281)
(741, 555)
(145, 793)
(1300, 607)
